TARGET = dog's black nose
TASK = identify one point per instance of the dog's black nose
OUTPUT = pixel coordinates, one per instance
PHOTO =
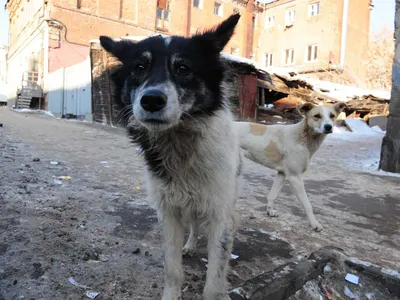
(328, 127)
(153, 101)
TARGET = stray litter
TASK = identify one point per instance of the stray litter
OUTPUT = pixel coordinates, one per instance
(352, 278)
(104, 162)
(54, 163)
(89, 294)
(327, 269)
(233, 256)
(138, 188)
(139, 149)
(349, 293)
(57, 182)
(64, 177)
(73, 282)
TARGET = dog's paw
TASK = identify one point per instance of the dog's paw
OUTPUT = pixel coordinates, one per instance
(188, 252)
(317, 227)
(272, 213)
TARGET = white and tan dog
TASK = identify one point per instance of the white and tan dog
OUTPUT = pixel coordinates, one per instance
(288, 149)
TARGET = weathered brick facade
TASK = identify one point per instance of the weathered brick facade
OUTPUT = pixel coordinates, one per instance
(318, 24)
(57, 32)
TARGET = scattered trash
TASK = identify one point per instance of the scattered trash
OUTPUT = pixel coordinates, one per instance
(36, 159)
(233, 256)
(91, 294)
(327, 269)
(58, 182)
(352, 278)
(349, 293)
(73, 282)
(138, 188)
(203, 260)
(1, 124)
(269, 105)
(54, 163)
(64, 177)
(104, 162)
(154, 285)
(139, 149)
(370, 296)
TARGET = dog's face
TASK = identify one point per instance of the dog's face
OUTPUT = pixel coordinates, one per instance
(168, 79)
(321, 118)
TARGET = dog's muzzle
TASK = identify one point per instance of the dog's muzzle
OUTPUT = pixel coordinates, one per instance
(328, 128)
(153, 101)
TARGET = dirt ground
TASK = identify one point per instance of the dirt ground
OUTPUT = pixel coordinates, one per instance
(97, 228)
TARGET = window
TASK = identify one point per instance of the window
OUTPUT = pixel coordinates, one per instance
(288, 57)
(198, 3)
(235, 51)
(270, 21)
(254, 20)
(236, 11)
(313, 9)
(312, 52)
(268, 59)
(290, 17)
(218, 9)
(251, 56)
(162, 18)
(162, 14)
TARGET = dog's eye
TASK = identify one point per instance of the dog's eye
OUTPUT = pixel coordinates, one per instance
(317, 116)
(140, 68)
(332, 116)
(182, 70)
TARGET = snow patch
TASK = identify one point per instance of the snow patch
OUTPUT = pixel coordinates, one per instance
(28, 110)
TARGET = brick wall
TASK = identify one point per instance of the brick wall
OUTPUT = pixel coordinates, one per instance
(122, 18)
(323, 30)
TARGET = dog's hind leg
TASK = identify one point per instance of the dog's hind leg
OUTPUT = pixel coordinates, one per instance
(171, 223)
(221, 231)
(273, 194)
(299, 190)
(190, 246)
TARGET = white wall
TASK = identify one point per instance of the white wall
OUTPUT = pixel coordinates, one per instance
(70, 91)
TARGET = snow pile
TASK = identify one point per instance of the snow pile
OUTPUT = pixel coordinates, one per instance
(343, 92)
(366, 159)
(338, 91)
(34, 111)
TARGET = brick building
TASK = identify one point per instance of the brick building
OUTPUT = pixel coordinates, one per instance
(314, 35)
(47, 35)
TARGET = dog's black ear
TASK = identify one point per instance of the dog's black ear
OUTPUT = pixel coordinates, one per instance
(305, 108)
(217, 38)
(117, 48)
(340, 106)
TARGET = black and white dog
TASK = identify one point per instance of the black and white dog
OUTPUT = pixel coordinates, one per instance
(173, 89)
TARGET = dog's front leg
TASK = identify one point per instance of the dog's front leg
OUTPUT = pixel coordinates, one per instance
(190, 246)
(220, 242)
(171, 223)
(273, 194)
(299, 190)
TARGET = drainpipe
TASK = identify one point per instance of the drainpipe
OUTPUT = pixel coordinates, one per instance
(343, 42)
(188, 17)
